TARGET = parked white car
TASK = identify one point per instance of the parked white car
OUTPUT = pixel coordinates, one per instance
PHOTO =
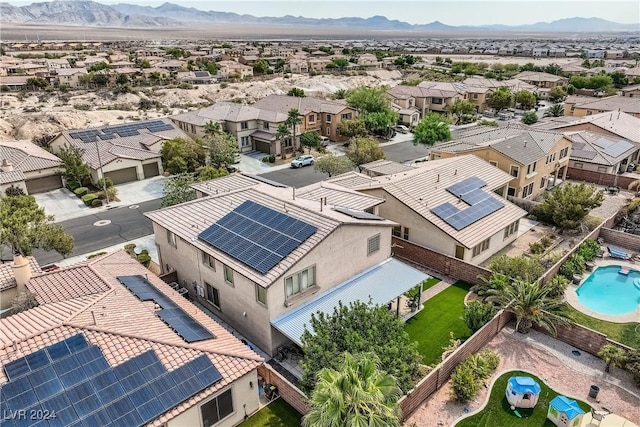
(402, 129)
(305, 160)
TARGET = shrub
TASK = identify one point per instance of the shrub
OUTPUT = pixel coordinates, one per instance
(589, 250)
(14, 191)
(80, 191)
(272, 159)
(464, 385)
(572, 266)
(224, 85)
(632, 365)
(491, 359)
(89, 198)
(536, 248)
(546, 241)
(477, 314)
(634, 205)
(557, 286)
(82, 107)
(265, 159)
(97, 254)
(96, 203)
(106, 180)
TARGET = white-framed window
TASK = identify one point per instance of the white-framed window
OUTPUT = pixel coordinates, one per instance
(244, 125)
(311, 119)
(602, 169)
(475, 96)
(245, 141)
(436, 100)
(300, 281)
(208, 260)
(328, 118)
(172, 239)
(564, 152)
(213, 296)
(217, 409)
(514, 171)
(511, 228)
(511, 191)
(261, 294)
(527, 190)
(405, 233)
(578, 165)
(346, 116)
(373, 244)
(397, 231)
(288, 142)
(228, 274)
(480, 247)
(265, 125)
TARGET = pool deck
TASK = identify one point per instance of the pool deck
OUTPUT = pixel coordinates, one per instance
(572, 297)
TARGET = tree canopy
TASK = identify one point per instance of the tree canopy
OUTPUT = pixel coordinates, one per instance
(567, 205)
(177, 189)
(500, 99)
(431, 129)
(74, 170)
(526, 99)
(368, 99)
(310, 140)
(459, 109)
(557, 93)
(359, 328)
(223, 148)
(556, 110)
(363, 150)
(529, 118)
(294, 91)
(333, 165)
(182, 155)
(353, 128)
(24, 226)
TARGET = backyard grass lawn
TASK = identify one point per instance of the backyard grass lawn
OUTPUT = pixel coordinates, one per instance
(498, 413)
(624, 333)
(430, 282)
(278, 414)
(441, 314)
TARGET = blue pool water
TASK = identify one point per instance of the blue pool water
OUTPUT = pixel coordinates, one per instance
(606, 291)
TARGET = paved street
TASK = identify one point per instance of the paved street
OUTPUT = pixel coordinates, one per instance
(126, 225)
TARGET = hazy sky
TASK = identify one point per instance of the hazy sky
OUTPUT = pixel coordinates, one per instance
(452, 12)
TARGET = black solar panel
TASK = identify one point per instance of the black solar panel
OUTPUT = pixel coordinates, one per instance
(257, 236)
(475, 196)
(182, 323)
(130, 394)
(465, 186)
(474, 213)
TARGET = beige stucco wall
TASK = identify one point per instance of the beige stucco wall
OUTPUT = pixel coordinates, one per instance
(7, 295)
(242, 394)
(19, 184)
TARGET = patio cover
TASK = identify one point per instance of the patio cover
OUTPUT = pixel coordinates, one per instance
(382, 283)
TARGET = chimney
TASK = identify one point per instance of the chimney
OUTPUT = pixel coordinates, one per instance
(21, 272)
(6, 166)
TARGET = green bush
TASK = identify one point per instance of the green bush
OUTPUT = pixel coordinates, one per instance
(572, 266)
(557, 286)
(97, 254)
(272, 159)
(536, 248)
(96, 203)
(589, 250)
(265, 159)
(14, 191)
(463, 384)
(80, 191)
(634, 205)
(107, 180)
(546, 241)
(477, 314)
(89, 198)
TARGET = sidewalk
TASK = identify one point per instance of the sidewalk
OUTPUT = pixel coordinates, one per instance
(146, 242)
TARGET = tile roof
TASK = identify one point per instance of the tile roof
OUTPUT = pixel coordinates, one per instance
(385, 167)
(595, 148)
(425, 188)
(338, 196)
(612, 103)
(129, 147)
(307, 104)
(7, 280)
(27, 157)
(72, 282)
(622, 124)
(10, 177)
(536, 76)
(522, 145)
(351, 180)
(228, 111)
(232, 182)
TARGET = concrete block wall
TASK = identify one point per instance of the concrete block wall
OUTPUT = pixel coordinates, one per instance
(620, 238)
(599, 178)
(290, 393)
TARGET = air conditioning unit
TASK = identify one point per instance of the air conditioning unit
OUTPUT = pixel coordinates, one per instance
(199, 290)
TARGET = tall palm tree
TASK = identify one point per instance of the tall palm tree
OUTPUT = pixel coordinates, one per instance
(531, 304)
(282, 133)
(359, 395)
(556, 110)
(612, 356)
(212, 128)
(293, 119)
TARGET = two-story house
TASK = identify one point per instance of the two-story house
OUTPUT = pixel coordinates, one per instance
(252, 252)
(580, 106)
(426, 97)
(535, 159)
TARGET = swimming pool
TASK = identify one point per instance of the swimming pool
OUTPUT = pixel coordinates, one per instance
(606, 291)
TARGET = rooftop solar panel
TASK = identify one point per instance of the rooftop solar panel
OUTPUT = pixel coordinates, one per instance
(475, 196)
(466, 185)
(617, 149)
(604, 142)
(445, 210)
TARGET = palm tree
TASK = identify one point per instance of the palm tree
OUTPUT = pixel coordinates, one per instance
(359, 395)
(212, 128)
(531, 304)
(556, 110)
(612, 356)
(281, 134)
(293, 120)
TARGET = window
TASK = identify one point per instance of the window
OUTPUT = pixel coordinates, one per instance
(261, 294)
(564, 152)
(373, 244)
(213, 296)
(171, 238)
(312, 118)
(512, 228)
(589, 112)
(228, 274)
(480, 247)
(244, 125)
(527, 190)
(300, 282)
(578, 165)
(511, 191)
(491, 162)
(515, 171)
(475, 96)
(217, 409)
(535, 165)
(245, 141)
(602, 169)
(543, 181)
(265, 125)
(397, 231)
(405, 233)
(346, 116)
(288, 142)
(328, 118)
(436, 100)
(208, 260)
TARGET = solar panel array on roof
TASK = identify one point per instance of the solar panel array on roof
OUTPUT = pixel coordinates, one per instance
(182, 323)
(257, 236)
(466, 186)
(123, 131)
(358, 214)
(617, 149)
(603, 142)
(201, 73)
(72, 381)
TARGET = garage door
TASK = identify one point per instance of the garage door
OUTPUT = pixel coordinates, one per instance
(45, 183)
(123, 175)
(150, 170)
(265, 147)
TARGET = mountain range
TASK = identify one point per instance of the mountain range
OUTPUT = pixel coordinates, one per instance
(90, 13)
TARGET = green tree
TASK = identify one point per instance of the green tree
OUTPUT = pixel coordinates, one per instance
(24, 226)
(368, 99)
(500, 99)
(380, 122)
(353, 128)
(363, 150)
(359, 328)
(212, 128)
(431, 129)
(619, 79)
(526, 99)
(520, 267)
(223, 148)
(261, 67)
(357, 393)
(98, 66)
(612, 356)
(459, 109)
(567, 205)
(282, 133)
(294, 91)
(75, 170)
(181, 156)
(340, 94)
(37, 83)
(293, 120)
(529, 118)
(177, 189)
(557, 94)
(477, 314)
(531, 304)
(340, 63)
(333, 165)
(556, 110)
(209, 172)
(310, 140)
(99, 79)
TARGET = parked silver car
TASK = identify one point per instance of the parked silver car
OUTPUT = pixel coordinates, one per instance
(305, 160)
